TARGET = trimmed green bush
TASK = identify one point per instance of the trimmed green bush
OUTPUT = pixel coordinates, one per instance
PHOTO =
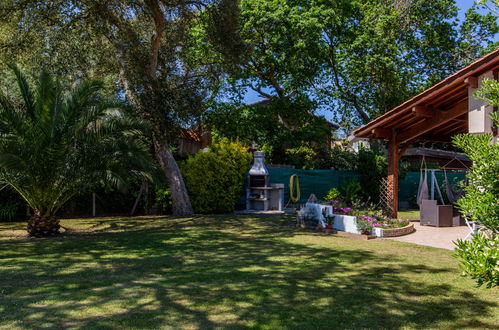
(163, 201)
(215, 179)
(479, 256)
(333, 194)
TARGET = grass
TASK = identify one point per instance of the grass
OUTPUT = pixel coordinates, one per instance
(226, 271)
(408, 214)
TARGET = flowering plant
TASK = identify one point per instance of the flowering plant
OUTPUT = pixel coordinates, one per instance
(386, 223)
(364, 224)
(339, 209)
(344, 210)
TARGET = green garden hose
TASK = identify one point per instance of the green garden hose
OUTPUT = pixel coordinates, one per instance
(294, 186)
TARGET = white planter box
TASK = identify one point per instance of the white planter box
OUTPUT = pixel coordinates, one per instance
(378, 232)
(346, 223)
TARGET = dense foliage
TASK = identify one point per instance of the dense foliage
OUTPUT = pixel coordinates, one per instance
(480, 256)
(55, 145)
(332, 195)
(379, 53)
(359, 58)
(141, 47)
(215, 179)
(285, 128)
(373, 166)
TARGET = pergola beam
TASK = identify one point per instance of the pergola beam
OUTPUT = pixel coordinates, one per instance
(471, 81)
(381, 133)
(439, 118)
(420, 111)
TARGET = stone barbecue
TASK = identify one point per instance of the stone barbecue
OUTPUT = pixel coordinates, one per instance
(260, 194)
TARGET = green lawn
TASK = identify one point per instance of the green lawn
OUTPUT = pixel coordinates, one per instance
(408, 214)
(228, 271)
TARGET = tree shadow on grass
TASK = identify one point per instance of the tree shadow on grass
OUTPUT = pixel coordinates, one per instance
(213, 272)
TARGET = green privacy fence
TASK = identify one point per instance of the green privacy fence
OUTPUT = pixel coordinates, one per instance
(318, 182)
(408, 187)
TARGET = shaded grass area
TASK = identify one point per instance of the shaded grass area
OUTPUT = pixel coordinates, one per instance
(227, 271)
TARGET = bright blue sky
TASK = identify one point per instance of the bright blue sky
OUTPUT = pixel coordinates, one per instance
(252, 96)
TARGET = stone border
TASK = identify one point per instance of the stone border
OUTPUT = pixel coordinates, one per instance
(394, 232)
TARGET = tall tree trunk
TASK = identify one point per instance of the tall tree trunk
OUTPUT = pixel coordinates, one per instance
(181, 203)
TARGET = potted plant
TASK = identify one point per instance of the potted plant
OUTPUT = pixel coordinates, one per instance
(364, 224)
(329, 220)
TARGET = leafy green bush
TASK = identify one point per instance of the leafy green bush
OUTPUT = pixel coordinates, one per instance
(332, 195)
(302, 157)
(163, 201)
(339, 158)
(352, 191)
(480, 202)
(372, 165)
(479, 259)
(479, 256)
(215, 179)
(8, 211)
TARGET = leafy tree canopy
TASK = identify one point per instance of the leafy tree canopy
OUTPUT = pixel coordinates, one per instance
(359, 58)
(141, 47)
(263, 124)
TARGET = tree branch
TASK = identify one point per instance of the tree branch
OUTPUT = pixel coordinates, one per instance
(348, 94)
(159, 25)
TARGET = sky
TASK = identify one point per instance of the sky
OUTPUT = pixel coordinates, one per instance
(463, 5)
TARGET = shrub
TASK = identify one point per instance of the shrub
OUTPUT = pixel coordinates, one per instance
(12, 207)
(479, 257)
(480, 205)
(163, 201)
(332, 195)
(352, 191)
(215, 179)
(372, 165)
(339, 158)
(8, 211)
(302, 157)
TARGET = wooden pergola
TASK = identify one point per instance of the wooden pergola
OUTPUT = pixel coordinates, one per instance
(435, 115)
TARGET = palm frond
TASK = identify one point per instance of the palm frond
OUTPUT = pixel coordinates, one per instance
(68, 143)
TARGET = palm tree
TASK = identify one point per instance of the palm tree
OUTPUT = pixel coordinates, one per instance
(56, 144)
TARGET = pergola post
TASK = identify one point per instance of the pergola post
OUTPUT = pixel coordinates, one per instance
(393, 173)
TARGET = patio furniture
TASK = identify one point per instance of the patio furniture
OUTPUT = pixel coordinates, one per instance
(457, 218)
(436, 215)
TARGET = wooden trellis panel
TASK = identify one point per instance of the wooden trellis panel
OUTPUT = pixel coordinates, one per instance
(385, 195)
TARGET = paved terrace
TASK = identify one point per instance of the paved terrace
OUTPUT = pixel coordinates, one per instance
(439, 237)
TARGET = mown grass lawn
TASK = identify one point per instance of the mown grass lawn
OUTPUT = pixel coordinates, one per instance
(227, 271)
(408, 214)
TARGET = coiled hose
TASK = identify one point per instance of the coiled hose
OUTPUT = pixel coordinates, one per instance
(294, 187)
